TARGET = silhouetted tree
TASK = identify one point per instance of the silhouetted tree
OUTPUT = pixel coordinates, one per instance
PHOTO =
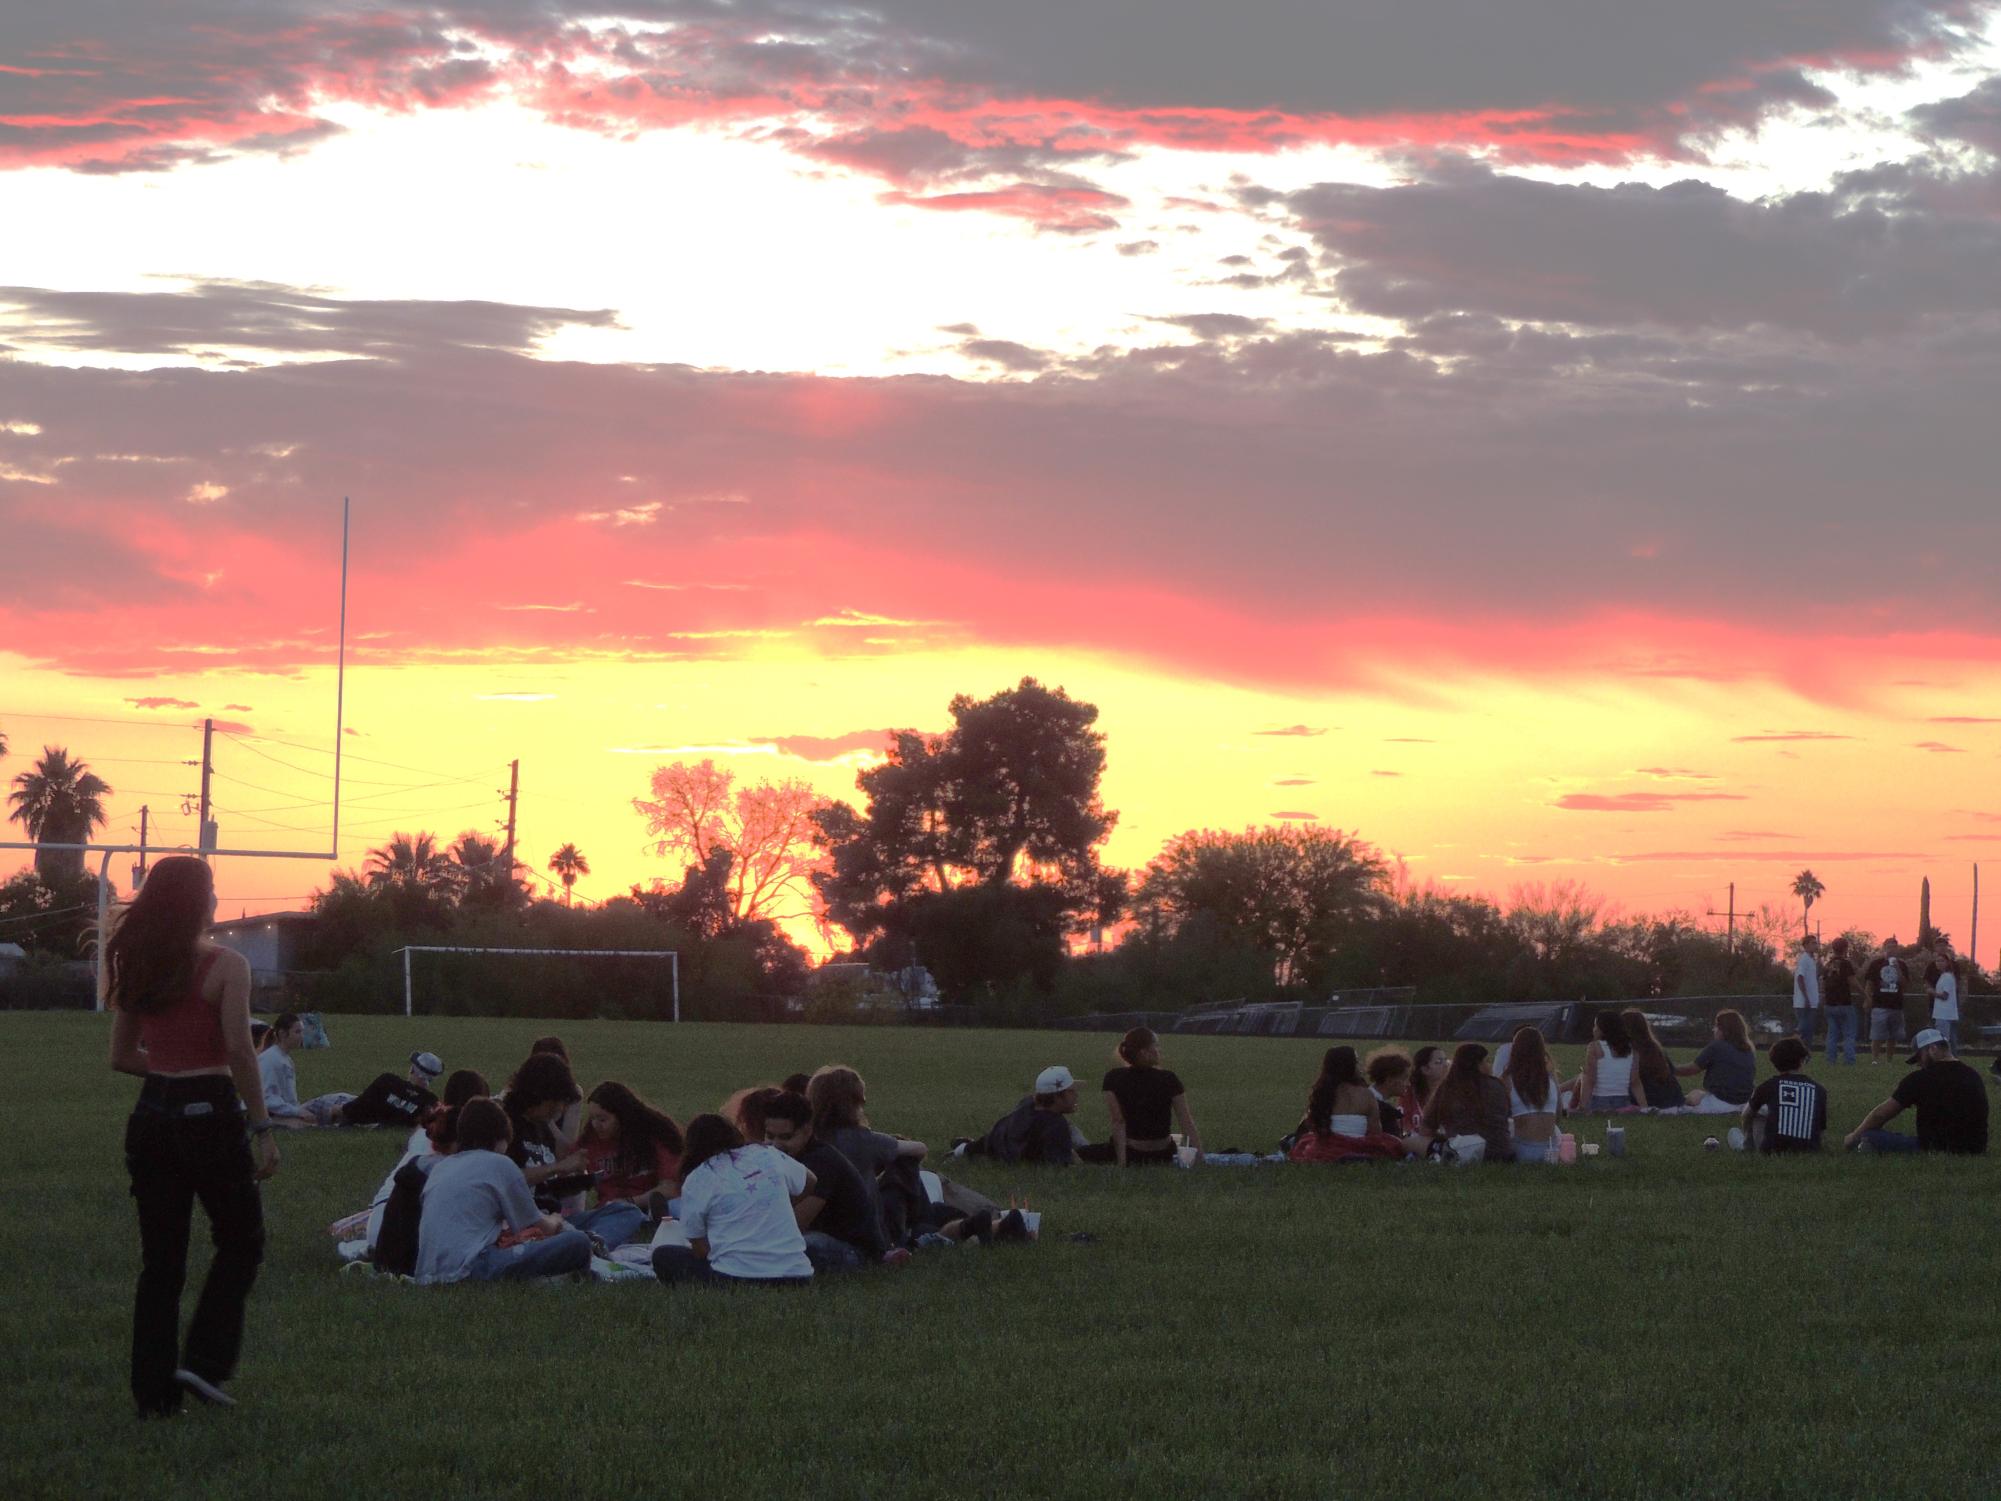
(766, 829)
(568, 863)
(58, 801)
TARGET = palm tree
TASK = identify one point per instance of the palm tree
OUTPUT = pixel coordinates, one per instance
(414, 862)
(486, 876)
(1808, 888)
(569, 863)
(60, 801)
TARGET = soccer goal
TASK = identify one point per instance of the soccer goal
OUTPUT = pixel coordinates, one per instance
(673, 964)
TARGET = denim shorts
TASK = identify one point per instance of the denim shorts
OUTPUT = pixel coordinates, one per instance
(1886, 1024)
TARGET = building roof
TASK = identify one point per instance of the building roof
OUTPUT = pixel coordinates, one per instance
(263, 920)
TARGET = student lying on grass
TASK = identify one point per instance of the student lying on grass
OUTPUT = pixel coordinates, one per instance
(477, 1206)
(1037, 1130)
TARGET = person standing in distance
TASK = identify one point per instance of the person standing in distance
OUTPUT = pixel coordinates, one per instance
(1943, 982)
(1884, 981)
(1806, 990)
(199, 1132)
(1837, 996)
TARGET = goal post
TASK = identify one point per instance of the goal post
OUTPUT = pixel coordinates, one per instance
(671, 956)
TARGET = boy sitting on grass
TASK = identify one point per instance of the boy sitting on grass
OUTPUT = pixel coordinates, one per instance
(477, 1199)
(1796, 1105)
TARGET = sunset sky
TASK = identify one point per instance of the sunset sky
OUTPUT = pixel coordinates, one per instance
(1551, 440)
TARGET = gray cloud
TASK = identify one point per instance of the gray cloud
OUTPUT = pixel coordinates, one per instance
(1867, 260)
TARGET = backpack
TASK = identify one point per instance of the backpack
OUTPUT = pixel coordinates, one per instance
(396, 1242)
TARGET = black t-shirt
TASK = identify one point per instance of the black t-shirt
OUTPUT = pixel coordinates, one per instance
(1146, 1096)
(1797, 1110)
(1885, 977)
(1837, 983)
(534, 1145)
(1951, 1103)
(389, 1101)
(1392, 1115)
(1026, 1134)
(850, 1212)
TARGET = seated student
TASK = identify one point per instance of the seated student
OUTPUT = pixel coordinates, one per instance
(395, 1219)
(1470, 1101)
(1535, 1096)
(1343, 1120)
(476, 1205)
(1795, 1106)
(1608, 1084)
(281, 1081)
(390, 1101)
(1659, 1088)
(796, 1083)
(633, 1155)
(435, 1138)
(745, 1110)
(260, 1035)
(736, 1211)
(1139, 1096)
(540, 1091)
(569, 1125)
(1950, 1100)
(837, 1218)
(1427, 1066)
(1388, 1071)
(1729, 1068)
(1038, 1129)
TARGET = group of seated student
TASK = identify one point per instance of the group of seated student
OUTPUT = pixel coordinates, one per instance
(535, 1181)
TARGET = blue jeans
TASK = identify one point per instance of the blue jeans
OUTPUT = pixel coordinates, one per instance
(568, 1250)
(1535, 1151)
(1841, 1033)
(1951, 1030)
(829, 1253)
(1889, 1141)
(614, 1223)
(678, 1264)
(1805, 1020)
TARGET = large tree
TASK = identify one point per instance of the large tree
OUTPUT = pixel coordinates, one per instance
(59, 801)
(485, 874)
(766, 828)
(1009, 796)
(568, 863)
(1289, 891)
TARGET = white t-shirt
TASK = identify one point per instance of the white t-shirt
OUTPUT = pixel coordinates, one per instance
(1806, 972)
(1945, 1004)
(741, 1203)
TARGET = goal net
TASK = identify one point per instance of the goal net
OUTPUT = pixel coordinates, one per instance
(450, 980)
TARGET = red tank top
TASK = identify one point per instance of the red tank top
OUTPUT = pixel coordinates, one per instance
(187, 1035)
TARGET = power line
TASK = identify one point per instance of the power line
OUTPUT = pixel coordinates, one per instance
(321, 750)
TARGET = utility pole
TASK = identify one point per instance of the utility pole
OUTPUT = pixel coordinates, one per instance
(1730, 943)
(205, 830)
(139, 871)
(513, 795)
(1973, 936)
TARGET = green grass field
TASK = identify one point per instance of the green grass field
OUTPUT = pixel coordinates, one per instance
(1678, 1323)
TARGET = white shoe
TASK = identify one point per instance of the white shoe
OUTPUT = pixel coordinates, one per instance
(205, 1389)
(1736, 1138)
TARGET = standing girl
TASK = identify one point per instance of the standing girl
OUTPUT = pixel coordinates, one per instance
(198, 1132)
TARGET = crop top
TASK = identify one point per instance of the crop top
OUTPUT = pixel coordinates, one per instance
(1615, 1074)
(1519, 1106)
(186, 1035)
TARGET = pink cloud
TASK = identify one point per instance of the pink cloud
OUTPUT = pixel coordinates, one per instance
(1939, 748)
(163, 703)
(1638, 802)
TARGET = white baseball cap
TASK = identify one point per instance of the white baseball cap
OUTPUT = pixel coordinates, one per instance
(1922, 1041)
(1054, 1080)
(427, 1063)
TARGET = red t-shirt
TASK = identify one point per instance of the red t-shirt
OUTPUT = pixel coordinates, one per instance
(601, 1159)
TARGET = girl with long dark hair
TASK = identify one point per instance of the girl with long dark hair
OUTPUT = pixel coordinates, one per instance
(633, 1154)
(540, 1091)
(1609, 1082)
(1470, 1101)
(1535, 1096)
(1661, 1089)
(1343, 1120)
(198, 1133)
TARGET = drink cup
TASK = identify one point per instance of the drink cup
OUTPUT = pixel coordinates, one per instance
(1184, 1156)
(1031, 1220)
(1615, 1141)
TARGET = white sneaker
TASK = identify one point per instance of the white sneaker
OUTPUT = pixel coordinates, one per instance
(1736, 1138)
(205, 1389)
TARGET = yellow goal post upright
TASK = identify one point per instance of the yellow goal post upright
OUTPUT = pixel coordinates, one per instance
(672, 957)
